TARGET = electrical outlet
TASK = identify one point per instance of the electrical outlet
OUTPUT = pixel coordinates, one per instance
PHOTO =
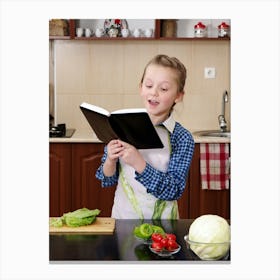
(209, 72)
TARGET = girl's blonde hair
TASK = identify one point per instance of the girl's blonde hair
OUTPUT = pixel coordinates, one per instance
(173, 63)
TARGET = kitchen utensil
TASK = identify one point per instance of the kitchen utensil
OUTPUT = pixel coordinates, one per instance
(137, 32)
(125, 32)
(99, 32)
(148, 32)
(79, 31)
(88, 32)
(57, 131)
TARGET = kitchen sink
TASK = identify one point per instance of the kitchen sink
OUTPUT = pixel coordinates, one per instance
(212, 133)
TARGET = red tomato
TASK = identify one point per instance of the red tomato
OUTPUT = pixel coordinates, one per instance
(156, 237)
(164, 242)
(172, 245)
(171, 236)
(157, 246)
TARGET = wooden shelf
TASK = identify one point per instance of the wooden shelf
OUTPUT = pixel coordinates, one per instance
(139, 38)
(59, 38)
(157, 32)
(194, 38)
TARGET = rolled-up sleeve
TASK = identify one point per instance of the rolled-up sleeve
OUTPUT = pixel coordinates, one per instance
(106, 181)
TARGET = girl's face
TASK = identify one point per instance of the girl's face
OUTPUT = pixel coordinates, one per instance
(159, 92)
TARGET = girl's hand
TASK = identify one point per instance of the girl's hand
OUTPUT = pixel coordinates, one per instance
(131, 156)
(114, 149)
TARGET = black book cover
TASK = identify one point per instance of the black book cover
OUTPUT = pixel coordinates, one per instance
(133, 126)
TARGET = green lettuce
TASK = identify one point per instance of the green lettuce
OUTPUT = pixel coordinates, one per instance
(79, 217)
(56, 222)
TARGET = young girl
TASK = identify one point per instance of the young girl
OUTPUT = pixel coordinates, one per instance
(150, 181)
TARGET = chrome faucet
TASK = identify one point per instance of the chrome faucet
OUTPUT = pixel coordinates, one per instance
(221, 118)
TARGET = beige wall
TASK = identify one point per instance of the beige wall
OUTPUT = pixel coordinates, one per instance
(107, 73)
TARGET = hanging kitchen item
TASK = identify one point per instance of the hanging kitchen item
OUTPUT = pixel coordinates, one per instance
(200, 30)
(223, 30)
(169, 28)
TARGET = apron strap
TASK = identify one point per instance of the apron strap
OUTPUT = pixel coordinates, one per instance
(128, 190)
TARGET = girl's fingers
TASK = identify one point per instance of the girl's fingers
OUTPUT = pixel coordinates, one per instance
(124, 144)
(115, 150)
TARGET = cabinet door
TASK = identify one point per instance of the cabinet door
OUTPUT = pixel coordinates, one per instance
(205, 201)
(87, 190)
(183, 201)
(60, 179)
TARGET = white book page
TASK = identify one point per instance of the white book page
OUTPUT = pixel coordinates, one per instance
(130, 110)
(95, 108)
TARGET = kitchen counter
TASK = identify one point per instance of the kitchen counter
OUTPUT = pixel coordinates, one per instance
(89, 137)
(204, 139)
(79, 136)
(119, 246)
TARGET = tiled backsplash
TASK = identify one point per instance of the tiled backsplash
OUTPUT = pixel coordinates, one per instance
(107, 73)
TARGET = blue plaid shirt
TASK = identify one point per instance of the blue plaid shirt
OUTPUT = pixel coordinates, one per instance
(167, 185)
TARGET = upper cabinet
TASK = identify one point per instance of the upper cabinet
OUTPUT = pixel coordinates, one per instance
(139, 29)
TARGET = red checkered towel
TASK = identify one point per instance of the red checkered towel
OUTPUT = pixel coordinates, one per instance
(214, 166)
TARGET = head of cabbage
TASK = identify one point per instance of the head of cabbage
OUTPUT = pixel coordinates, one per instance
(209, 237)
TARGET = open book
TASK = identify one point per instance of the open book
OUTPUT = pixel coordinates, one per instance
(133, 126)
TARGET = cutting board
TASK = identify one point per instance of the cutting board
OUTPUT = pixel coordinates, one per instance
(99, 226)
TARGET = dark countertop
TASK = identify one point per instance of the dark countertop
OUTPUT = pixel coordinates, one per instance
(119, 246)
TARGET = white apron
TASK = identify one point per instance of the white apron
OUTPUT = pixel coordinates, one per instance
(131, 198)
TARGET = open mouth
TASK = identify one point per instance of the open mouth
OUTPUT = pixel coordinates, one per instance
(153, 102)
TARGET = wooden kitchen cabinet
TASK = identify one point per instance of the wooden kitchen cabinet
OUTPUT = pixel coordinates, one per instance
(195, 201)
(183, 201)
(205, 201)
(73, 184)
(86, 189)
(72, 179)
(60, 179)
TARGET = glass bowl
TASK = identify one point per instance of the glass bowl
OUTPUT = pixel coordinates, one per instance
(165, 252)
(144, 241)
(208, 251)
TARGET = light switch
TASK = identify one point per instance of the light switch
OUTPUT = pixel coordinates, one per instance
(209, 72)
